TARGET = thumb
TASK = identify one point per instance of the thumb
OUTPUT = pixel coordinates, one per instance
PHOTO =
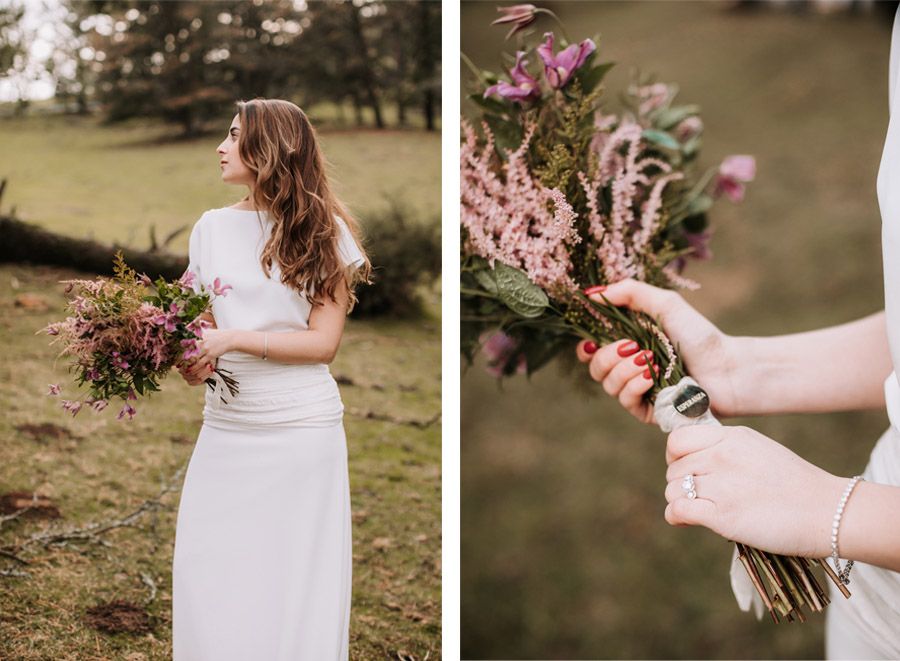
(640, 297)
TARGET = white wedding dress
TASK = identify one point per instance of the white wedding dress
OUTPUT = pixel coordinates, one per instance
(262, 560)
(867, 626)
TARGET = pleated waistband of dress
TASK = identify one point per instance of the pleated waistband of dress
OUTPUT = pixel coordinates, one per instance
(276, 395)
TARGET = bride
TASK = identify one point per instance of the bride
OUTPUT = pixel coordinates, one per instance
(262, 560)
(742, 479)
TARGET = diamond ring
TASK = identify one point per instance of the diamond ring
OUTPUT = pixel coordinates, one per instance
(687, 486)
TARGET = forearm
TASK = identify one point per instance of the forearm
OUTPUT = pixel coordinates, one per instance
(297, 347)
(869, 530)
(832, 369)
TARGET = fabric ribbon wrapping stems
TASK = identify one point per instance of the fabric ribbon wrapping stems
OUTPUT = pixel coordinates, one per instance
(686, 395)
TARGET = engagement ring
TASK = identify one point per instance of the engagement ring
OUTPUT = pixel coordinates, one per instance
(688, 486)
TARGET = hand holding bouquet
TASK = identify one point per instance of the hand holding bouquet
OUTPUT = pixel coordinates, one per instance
(560, 199)
(127, 332)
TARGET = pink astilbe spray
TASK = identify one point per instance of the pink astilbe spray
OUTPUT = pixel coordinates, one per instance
(508, 217)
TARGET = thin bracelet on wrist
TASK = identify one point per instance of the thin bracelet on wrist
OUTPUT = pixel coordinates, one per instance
(265, 345)
(843, 574)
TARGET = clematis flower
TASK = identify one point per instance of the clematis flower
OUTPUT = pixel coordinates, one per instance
(93, 374)
(501, 350)
(219, 289)
(524, 86)
(520, 16)
(187, 279)
(128, 410)
(99, 404)
(734, 172)
(191, 349)
(559, 68)
(688, 128)
(53, 389)
(72, 407)
(119, 361)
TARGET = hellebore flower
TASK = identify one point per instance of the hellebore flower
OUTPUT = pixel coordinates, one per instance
(559, 68)
(219, 289)
(520, 16)
(734, 172)
(524, 86)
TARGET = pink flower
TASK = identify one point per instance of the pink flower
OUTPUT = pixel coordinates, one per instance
(99, 404)
(219, 289)
(688, 128)
(734, 172)
(187, 279)
(192, 349)
(524, 87)
(72, 407)
(501, 351)
(128, 410)
(559, 68)
(53, 389)
(521, 16)
(131, 394)
(93, 374)
(119, 361)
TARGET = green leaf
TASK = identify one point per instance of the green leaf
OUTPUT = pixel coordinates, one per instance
(508, 135)
(518, 292)
(700, 204)
(491, 105)
(673, 116)
(691, 146)
(660, 138)
(487, 281)
(590, 77)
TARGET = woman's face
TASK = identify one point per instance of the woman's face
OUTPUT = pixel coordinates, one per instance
(233, 169)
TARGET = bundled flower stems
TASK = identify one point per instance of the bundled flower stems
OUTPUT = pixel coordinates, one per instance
(558, 196)
(127, 332)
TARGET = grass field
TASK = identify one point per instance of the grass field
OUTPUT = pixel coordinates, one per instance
(112, 184)
(565, 553)
(80, 179)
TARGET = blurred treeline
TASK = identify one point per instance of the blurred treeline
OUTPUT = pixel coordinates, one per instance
(184, 61)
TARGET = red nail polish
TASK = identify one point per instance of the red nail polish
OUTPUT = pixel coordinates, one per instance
(642, 358)
(594, 290)
(647, 374)
(627, 349)
(590, 347)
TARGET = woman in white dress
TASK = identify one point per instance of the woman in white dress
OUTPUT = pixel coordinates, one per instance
(751, 489)
(262, 560)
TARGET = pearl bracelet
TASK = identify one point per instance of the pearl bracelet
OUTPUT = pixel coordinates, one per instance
(843, 574)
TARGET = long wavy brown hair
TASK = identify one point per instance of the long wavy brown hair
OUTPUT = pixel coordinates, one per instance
(278, 145)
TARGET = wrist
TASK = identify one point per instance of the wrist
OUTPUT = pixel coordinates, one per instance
(233, 340)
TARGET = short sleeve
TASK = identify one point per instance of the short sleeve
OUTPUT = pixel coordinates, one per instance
(194, 254)
(347, 247)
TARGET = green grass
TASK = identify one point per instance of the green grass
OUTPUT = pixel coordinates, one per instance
(107, 468)
(565, 552)
(71, 176)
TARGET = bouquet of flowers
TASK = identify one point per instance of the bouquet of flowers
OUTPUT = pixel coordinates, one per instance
(125, 334)
(559, 197)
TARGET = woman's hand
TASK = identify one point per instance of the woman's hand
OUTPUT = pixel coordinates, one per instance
(215, 342)
(196, 372)
(708, 354)
(751, 489)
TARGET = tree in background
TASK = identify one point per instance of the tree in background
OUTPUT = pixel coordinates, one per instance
(15, 41)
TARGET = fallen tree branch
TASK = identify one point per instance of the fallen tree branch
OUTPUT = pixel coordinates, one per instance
(386, 417)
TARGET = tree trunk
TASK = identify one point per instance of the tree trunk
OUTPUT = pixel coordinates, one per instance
(27, 243)
(368, 76)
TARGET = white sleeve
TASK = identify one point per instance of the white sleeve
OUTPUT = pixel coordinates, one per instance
(194, 255)
(893, 64)
(347, 247)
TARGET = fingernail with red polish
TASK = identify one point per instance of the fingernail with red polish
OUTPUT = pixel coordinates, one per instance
(596, 289)
(627, 349)
(590, 347)
(647, 374)
(642, 358)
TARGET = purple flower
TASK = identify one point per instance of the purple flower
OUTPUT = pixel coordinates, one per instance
(119, 361)
(53, 389)
(187, 279)
(559, 68)
(128, 410)
(219, 289)
(192, 349)
(197, 326)
(688, 128)
(521, 16)
(734, 172)
(524, 86)
(131, 394)
(72, 407)
(501, 350)
(52, 330)
(93, 374)
(99, 404)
